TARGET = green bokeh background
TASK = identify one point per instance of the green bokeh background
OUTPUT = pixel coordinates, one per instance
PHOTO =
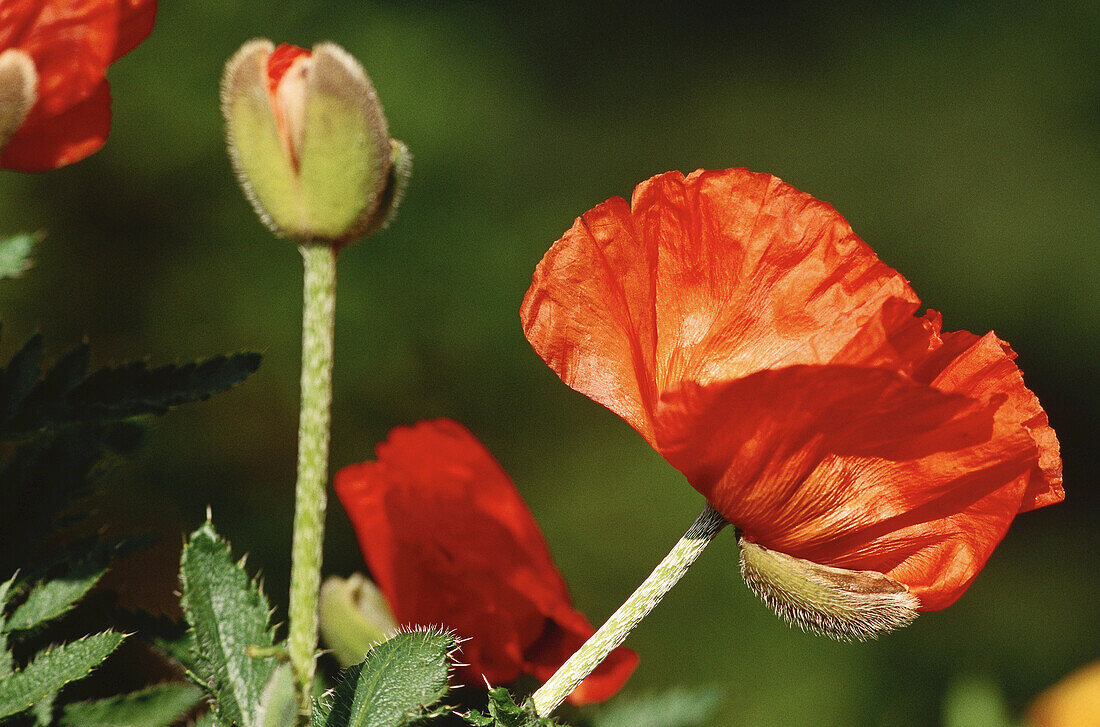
(959, 139)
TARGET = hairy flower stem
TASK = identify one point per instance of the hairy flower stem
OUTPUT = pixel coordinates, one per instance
(612, 634)
(318, 315)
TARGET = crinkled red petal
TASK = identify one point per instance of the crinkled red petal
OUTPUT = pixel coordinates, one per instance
(759, 345)
(701, 278)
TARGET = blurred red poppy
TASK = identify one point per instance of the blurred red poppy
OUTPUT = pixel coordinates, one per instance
(766, 352)
(70, 44)
(449, 540)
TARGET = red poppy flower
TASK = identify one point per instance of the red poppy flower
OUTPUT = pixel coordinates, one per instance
(760, 346)
(69, 44)
(449, 540)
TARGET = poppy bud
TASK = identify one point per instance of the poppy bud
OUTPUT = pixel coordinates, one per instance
(18, 80)
(309, 142)
(844, 604)
(354, 616)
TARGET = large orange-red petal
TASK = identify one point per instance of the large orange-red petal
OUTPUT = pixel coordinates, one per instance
(856, 468)
(449, 540)
(51, 142)
(701, 278)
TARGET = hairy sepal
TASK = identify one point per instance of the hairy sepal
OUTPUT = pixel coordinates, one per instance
(848, 605)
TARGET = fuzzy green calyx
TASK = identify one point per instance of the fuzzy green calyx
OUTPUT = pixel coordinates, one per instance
(844, 604)
(310, 143)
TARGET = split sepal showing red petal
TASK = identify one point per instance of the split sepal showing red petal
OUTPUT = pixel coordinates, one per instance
(310, 143)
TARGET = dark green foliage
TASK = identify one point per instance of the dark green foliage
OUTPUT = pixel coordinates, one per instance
(227, 613)
(66, 421)
(56, 429)
(67, 394)
(504, 712)
(156, 706)
(171, 638)
(396, 684)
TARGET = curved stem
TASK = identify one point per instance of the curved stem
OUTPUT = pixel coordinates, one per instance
(612, 634)
(318, 316)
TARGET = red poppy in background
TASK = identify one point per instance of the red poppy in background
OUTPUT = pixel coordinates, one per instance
(449, 540)
(766, 352)
(70, 44)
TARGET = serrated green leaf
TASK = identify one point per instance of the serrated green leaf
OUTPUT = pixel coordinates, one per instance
(15, 254)
(133, 389)
(156, 706)
(279, 702)
(399, 679)
(678, 707)
(54, 597)
(114, 393)
(47, 400)
(227, 613)
(207, 720)
(504, 712)
(51, 670)
(6, 663)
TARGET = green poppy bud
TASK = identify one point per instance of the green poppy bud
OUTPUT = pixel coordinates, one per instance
(354, 616)
(309, 142)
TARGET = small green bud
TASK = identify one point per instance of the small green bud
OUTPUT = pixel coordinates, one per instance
(18, 81)
(354, 617)
(844, 604)
(309, 142)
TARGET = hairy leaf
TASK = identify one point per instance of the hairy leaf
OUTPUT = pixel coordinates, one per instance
(53, 669)
(15, 254)
(54, 597)
(678, 707)
(6, 663)
(227, 613)
(156, 706)
(504, 712)
(399, 679)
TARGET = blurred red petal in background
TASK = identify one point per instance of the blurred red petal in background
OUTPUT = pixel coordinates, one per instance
(449, 540)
